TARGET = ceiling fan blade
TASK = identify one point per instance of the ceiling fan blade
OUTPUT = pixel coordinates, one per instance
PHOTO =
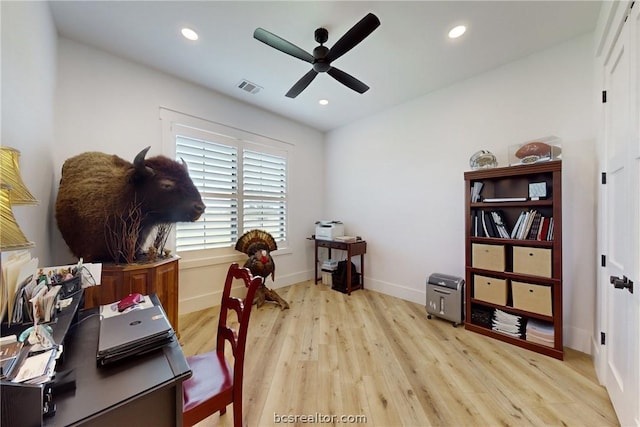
(282, 45)
(355, 35)
(348, 80)
(301, 84)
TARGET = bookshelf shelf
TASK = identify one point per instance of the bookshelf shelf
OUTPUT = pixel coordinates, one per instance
(515, 282)
(519, 242)
(500, 205)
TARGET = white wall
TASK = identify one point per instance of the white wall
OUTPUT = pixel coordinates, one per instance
(108, 104)
(28, 87)
(396, 178)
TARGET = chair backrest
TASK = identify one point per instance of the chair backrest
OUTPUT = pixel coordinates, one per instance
(242, 307)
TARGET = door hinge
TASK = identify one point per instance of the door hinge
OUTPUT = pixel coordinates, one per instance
(603, 260)
(604, 96)
(603, 338)
(604, 178)
(629, 11)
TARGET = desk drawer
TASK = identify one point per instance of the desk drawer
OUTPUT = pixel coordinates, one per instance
(333, 244)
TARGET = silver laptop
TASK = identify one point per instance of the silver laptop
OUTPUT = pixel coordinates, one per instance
(133, 333)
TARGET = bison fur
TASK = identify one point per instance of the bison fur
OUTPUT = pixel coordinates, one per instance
(97, 189)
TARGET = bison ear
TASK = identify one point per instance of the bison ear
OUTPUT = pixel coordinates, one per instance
(141, 169)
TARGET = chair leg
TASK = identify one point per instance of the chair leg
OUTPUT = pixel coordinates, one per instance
(237, 414)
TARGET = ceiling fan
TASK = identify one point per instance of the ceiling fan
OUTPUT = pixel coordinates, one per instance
(322, 56)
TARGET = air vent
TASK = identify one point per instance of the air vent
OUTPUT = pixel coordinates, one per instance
(247, 86)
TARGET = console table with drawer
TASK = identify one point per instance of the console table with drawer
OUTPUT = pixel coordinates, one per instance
(358, 247)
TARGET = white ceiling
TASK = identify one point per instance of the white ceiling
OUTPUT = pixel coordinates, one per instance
(408, 56)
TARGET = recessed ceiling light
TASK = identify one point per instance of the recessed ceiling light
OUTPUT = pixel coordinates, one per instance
(457, 31)
(190, 34)
(323, 102)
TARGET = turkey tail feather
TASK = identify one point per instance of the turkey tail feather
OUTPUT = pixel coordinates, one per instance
(245, 241)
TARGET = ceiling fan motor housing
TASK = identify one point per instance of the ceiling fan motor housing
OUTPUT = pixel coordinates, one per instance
(320, 64)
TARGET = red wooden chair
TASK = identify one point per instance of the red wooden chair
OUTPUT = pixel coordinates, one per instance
(214, 383)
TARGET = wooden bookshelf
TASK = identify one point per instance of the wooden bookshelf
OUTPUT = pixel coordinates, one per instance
(521, 276)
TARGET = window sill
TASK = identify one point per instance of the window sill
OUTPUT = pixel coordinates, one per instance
(199, 259)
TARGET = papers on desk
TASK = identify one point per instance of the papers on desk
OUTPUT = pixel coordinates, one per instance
(30, 293)
(9, 353)
(37, 369)
(90, 273)
(13, 270)
(19, 286)
(33, 301)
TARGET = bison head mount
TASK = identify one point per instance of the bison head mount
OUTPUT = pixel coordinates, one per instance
(166, 191)
(107, 206)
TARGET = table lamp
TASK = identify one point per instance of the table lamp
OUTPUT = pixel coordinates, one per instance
(12, 192)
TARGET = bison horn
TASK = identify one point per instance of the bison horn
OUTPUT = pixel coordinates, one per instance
(186, 166)
(138, 163)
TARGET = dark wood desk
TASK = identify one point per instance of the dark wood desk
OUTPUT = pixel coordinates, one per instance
(21, 404)
(141, 391)
(356, 248)
(144, 390)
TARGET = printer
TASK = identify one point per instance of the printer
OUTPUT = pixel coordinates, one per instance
(329, 230)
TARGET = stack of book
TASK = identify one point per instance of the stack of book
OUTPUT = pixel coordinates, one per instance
(475, 191)
(346, 239)
(488, 224)
(532, 225)
(540, 332)
(328, 267)
(508, 324)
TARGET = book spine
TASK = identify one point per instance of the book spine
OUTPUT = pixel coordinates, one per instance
(535, 225)
(514, 231)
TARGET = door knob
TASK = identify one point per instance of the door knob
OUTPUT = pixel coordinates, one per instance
(623, 283)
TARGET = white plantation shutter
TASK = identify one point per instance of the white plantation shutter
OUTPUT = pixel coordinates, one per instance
(239, 196)
(214, 171)
(264, 193)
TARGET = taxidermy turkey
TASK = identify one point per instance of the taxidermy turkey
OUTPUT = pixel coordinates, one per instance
(258, 244)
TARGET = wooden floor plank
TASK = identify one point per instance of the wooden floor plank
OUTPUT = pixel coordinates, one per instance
(379, 358)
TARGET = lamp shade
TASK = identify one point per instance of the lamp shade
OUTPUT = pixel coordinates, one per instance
(10, 176)
(11, 237)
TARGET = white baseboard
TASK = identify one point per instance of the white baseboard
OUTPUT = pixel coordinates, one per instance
(598, 359)
(212, 299)
(394, 290)
(577, 339)
(200, 302)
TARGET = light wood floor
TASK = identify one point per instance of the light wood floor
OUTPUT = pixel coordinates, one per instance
(377, 357)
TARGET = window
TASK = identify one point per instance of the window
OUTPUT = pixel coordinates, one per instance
(243, 184)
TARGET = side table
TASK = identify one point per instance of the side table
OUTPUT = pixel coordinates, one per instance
(352, 248)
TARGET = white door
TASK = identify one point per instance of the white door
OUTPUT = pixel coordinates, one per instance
(621, 231)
